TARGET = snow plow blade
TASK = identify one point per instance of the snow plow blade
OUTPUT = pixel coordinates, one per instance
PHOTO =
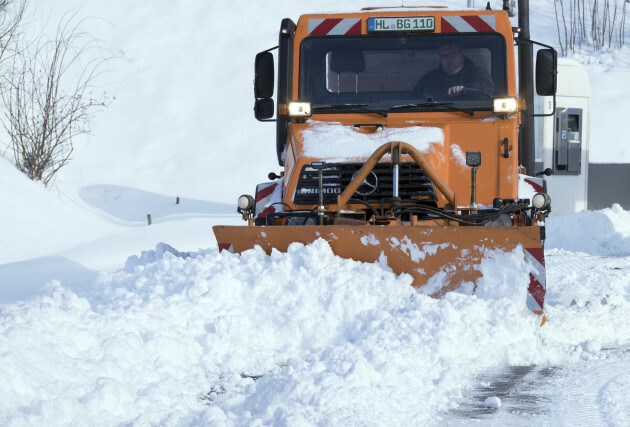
(453, 252)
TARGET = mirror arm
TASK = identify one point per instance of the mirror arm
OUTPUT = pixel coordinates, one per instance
(534, 42)
(553, 110)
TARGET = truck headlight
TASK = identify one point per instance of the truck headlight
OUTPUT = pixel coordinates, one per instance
(245, 202)
(299, 109)
(541, 201)
(504, 106)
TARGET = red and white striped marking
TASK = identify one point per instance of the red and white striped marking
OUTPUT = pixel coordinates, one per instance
(334, 26)
(537, 282)
(537, 186)
(226, 247)
(264, 199)
(468, 24)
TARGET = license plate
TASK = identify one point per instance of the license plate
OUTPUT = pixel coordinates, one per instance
(402, 23)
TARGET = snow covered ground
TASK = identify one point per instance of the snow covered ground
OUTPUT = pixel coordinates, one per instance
(306, 337)
(106, 320)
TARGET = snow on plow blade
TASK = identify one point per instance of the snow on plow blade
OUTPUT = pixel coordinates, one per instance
(422, 251)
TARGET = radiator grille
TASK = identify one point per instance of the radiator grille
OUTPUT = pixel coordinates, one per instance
(412, 183)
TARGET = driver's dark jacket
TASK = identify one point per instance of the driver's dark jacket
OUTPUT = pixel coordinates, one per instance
(436, 83)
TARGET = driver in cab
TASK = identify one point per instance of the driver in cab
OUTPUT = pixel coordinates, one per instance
(455, 74)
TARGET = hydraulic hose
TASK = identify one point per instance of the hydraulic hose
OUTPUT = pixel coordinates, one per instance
(481, 219)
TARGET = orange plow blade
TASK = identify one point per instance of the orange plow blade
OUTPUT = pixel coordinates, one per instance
(421, 251)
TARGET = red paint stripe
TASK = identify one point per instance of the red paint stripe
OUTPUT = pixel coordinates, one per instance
(537, 290)
(325, 27)
(537, 187)
(538, 254)
(477, 23)
(224, 247)
(447, 28)
(265, 192)
(264, 212)
(355, 29)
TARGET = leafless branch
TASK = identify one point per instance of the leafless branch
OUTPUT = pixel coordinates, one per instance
(48, 100)
(11, 16)
(604, 23)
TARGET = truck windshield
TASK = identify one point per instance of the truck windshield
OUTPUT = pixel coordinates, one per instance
(403, 73)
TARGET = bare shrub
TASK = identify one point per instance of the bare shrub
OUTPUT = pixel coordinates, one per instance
(48, 100)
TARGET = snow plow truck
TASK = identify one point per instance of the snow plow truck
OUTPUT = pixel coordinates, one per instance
(403, 139)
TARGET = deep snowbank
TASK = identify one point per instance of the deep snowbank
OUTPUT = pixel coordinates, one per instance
(36, 221)
(288, 338)
(605, 232)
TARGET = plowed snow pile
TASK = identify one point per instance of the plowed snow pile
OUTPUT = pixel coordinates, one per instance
(301, 337)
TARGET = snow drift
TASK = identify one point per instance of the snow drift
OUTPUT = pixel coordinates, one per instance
(291, 338)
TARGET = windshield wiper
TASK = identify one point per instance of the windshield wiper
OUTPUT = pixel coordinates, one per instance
(445, 105)
(355, 108)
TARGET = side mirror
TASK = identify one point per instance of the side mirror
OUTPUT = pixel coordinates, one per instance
(263, 109)
(263, 80)
(546, 72)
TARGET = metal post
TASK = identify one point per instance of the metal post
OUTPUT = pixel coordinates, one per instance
(527, 148)
(320, 208)
(319, 167)
(473, 187)
(395, 178)
(396, 167)
(473, 160)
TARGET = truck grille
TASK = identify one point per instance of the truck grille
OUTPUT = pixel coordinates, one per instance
(413, 183)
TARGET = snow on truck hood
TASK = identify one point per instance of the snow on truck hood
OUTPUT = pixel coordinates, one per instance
(334, 141)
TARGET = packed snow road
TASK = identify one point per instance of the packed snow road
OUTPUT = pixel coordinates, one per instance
(583, 392)
(552, 395)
